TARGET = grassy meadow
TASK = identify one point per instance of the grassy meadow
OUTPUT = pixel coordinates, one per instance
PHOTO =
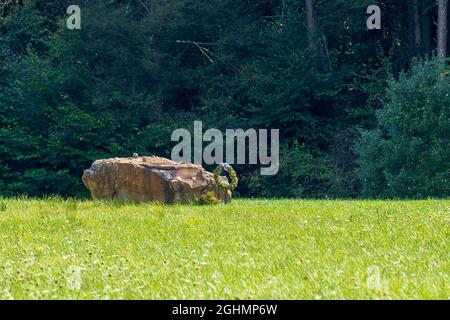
(249, 249)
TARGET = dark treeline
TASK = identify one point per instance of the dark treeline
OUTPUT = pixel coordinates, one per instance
(360, 113)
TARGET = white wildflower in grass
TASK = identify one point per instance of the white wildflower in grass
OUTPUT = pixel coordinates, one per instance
(6, 295)
(374, 278)
(74, 278)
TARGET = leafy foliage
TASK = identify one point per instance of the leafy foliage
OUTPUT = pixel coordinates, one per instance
(207, 199)
(409, 156)
(137, 70)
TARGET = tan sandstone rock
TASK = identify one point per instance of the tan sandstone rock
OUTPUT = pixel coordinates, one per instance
(142, 179)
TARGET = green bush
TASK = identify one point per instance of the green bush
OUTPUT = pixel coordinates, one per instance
(301, 174)
(409, 154)
(207, 199)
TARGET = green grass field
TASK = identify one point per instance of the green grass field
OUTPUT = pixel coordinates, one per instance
(250, 249)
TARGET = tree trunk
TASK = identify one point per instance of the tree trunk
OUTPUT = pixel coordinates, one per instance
(427, 36)
(311, 22)
(318, 47)
(411, 28)
(417, 26)
(442, 29)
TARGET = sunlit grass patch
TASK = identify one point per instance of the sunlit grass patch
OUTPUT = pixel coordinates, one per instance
(258, 249)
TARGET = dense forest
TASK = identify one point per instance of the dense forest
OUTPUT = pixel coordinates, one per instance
(361, 113)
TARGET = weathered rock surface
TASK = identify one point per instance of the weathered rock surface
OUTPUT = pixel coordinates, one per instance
(142, 179)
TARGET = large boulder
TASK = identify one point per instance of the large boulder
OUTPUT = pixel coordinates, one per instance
(142, 179)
